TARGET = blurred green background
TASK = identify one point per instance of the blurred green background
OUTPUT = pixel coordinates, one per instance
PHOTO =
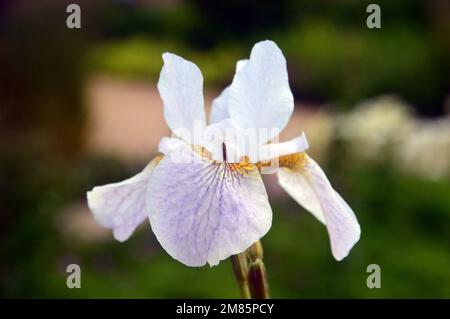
(79, 108)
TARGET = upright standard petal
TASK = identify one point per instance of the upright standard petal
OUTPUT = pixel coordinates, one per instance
(219, 108)
(121, 206)
(260, 97)
(307, 184)
(203, 211)
(240, 64)
(181, 88)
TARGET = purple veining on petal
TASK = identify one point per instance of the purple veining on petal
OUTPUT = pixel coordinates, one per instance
(205, 211)
(121, 206)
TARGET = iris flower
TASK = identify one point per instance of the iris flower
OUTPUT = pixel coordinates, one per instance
(204, 195)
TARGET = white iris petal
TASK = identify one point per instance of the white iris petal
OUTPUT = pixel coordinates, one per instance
(295, 145)
(219, 108)
(181, 88)
(309, 186)
(260, 97)
(203, 210)
(168, 144)
(121, 206)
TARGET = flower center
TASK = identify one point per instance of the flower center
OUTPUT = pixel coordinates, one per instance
(224, 152)
(288, 161)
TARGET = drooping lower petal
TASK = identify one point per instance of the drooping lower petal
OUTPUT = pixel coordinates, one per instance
(203, 211)
(121, 206)
(307, 184)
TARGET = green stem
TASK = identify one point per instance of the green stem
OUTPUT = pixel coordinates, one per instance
(257, 274)
(250, 272)
(240, 269)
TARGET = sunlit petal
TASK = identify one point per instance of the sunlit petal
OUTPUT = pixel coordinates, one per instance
(121, 206)
(240, 64)
(259, 95)
(219, 109)
(308, 185)
(181, 88)
(203, 211)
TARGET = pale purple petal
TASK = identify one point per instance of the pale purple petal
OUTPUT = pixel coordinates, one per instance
(204, 211)
(121, 206)
(309, 186)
